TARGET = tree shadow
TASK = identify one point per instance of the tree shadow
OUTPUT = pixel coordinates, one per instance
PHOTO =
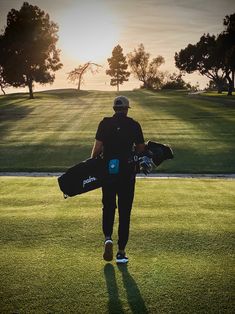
(62, 93)
(11, 112)
(228, 101)
(134, 298)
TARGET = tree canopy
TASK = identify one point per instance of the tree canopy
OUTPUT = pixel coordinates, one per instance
(145, 70)
(28, 50)
(204, 57)
(118, 67)
(213, 56)
(226, 41)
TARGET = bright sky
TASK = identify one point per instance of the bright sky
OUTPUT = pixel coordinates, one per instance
(90, 29)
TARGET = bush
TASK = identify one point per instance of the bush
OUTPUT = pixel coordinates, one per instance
(175, 81)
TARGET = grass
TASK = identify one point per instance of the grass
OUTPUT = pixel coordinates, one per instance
(216, 94)
(181, 249)
(57, 129)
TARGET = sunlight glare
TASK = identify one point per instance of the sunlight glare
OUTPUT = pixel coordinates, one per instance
(88, 32)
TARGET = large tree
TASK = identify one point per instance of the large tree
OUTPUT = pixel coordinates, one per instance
(78, 73)
(28, 50)
(118, 67)
(213, 56)
(145, 70)
(226, 41)
(204, 57)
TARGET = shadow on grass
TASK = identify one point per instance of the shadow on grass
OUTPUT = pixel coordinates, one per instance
(20, 230)
(62, 93)
(13, 98)
(11, 113)
(114, 304)
(134, 297)
(208, 121)
(42, 157)
(223, 100)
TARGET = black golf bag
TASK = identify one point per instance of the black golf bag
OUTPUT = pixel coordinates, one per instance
(158, 152)
(84, 177)
(91, 174)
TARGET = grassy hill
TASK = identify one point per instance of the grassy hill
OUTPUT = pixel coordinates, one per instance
(57, 128)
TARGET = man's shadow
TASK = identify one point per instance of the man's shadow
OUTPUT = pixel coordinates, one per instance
(134, 297)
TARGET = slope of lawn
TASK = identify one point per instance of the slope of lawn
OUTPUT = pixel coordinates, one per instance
(56, 129)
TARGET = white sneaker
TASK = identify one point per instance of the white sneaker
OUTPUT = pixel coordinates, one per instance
(121, 258)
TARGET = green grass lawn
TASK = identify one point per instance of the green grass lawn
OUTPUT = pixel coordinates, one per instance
(180, 249)
(57, 129)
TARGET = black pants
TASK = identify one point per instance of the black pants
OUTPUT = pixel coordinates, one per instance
(124, 189)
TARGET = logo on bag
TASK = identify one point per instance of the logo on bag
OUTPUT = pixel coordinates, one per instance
(89, 180)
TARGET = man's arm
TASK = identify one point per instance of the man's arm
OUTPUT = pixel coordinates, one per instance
(139, 139)
(97, 149)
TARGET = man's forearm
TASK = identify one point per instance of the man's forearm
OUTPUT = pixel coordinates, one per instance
(97, 149)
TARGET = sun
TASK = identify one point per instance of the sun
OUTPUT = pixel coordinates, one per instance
(88, 32)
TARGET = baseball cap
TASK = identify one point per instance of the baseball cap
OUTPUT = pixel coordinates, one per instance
(121, 102)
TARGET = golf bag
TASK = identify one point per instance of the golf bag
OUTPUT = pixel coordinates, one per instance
(83, 177)
(158, 152)
(92, 173)
(154, 154)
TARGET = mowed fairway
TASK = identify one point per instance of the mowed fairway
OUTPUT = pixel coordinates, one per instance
(57, 128)
(181, 249)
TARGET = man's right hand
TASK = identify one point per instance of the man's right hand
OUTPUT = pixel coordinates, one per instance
(146, 164)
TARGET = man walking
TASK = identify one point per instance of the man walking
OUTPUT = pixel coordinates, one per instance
(116, 138)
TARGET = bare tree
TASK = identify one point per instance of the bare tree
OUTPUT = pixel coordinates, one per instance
(78, 73)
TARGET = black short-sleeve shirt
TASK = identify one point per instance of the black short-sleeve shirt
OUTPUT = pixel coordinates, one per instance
(118, 134)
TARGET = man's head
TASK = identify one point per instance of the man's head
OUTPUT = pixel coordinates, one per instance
(121, 104)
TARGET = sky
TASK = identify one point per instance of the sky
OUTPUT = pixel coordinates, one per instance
(89, 30)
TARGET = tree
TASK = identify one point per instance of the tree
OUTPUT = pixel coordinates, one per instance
(204, 57)
(78, 73)
(175, 81)
(28, 50)
(213, 56)
(118, 67)
(144, 70)
(226, 41)
(212, 86)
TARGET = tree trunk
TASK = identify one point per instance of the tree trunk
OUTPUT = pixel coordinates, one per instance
(30, 86)
(230, 85)
(230, 89)
(117, 87)
(79, 82)
(219, 89)
(3, 90)
(233, 74)
(219, 86)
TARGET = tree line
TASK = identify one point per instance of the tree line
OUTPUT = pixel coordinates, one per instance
(28, 54)
(141, 66)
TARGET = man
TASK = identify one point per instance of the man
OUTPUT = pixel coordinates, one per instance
(116, 138)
